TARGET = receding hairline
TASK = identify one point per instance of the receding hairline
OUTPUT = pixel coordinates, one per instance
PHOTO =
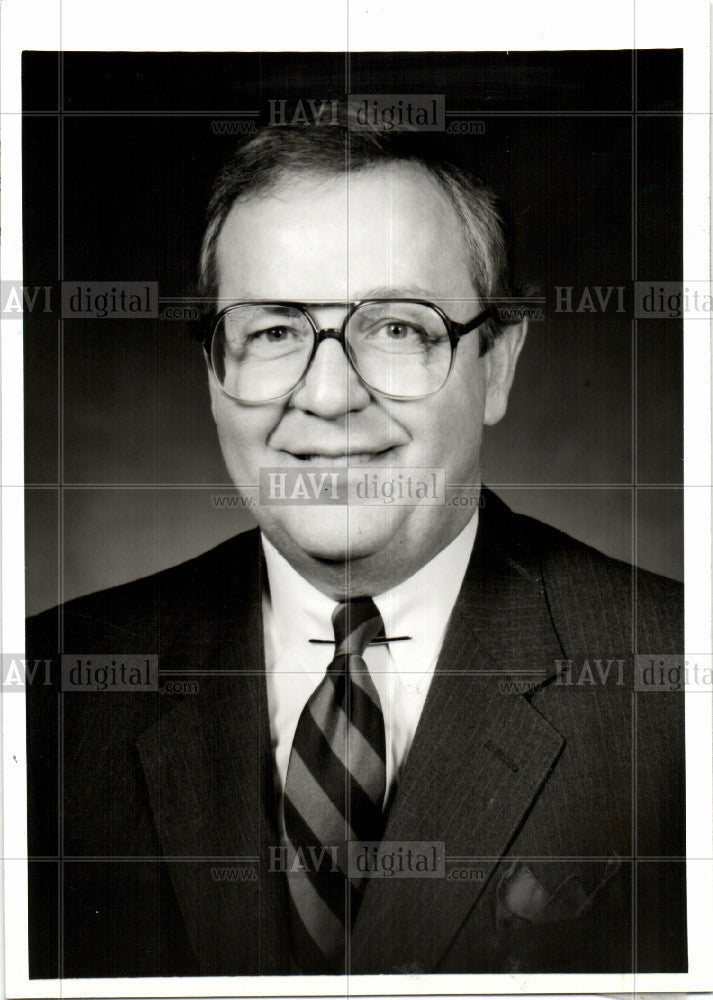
(291, 180)
(313, 178)
(288, 189)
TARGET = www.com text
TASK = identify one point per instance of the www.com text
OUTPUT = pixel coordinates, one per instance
(232, 501)
(182, 313)
(461, 127)
(516, 314)
(519, 687)
(465, 874)
(229, 127)
(179, 687)
(234, 873)
(237, 502)
(466, 500)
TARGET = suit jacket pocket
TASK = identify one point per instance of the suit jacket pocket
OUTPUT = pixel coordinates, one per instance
(542, 892)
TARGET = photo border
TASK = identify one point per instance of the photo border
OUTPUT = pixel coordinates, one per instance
(416, 25)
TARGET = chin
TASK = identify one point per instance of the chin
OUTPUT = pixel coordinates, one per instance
(338, 533)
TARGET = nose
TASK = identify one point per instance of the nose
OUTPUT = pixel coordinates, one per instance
(331, 387)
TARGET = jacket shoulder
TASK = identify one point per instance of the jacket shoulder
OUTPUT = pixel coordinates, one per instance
(141, 606)
(591, 593)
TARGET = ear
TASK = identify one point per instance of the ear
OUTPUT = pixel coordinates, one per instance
(500, 362)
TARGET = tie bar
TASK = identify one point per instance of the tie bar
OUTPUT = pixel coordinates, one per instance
(379, 641)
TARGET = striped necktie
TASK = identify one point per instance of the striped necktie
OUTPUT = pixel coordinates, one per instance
(334, 793)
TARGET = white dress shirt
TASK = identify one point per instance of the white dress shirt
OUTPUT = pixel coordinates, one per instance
(294, 612)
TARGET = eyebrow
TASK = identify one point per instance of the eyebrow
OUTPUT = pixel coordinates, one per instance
(413, 292)
(397, 292)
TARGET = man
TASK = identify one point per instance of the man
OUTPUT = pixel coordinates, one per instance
(390, 764)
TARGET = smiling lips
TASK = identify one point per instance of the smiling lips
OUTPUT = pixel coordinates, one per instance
(344, 458)
(355, 440)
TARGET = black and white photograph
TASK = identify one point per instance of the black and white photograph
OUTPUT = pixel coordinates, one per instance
(361, 641)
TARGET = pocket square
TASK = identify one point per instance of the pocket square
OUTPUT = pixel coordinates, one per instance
(521, 895)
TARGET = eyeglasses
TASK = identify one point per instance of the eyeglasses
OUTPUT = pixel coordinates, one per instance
(260, 351)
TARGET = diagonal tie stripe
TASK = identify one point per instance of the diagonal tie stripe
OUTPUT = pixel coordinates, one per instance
(362, 680)
(359, 673)
(334, 792)
(305, 901)
(345, 716)
(343, 735)
(325, 883)
(326, 819)
(347, 693)
(356, 807)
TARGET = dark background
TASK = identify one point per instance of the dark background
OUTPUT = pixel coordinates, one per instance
(119, 154)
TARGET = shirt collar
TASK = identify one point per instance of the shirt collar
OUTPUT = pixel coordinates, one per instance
(300, 611)
(418, 607)
(421, 606)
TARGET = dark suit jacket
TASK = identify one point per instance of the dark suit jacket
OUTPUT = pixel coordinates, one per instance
(565, 802)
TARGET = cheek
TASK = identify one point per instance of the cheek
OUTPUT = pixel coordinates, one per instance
(243, 432)
(453, 418)
(467, 393)
(451, 427)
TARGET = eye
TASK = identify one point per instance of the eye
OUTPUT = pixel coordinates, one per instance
(397, 330)
(272, 337)
(274, 334)
(268, 342)
(400, 336)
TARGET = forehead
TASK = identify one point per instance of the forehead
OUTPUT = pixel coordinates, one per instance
(315, 237)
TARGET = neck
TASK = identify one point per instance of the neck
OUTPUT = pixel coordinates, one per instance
(368, 575)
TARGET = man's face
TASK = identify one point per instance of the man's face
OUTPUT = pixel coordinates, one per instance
(382, 232)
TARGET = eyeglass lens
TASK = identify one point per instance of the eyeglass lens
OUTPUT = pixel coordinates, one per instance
(261, 352)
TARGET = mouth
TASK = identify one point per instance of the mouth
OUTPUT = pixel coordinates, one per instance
(339, 459)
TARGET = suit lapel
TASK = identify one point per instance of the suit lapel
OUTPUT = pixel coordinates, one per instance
(208, 769)
(480, 756)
